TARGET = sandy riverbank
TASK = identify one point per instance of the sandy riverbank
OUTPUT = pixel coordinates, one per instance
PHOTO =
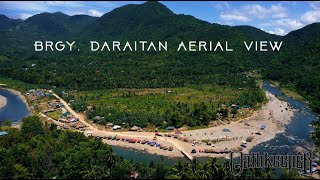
(20, 95)
(276, 114)
(3, 101)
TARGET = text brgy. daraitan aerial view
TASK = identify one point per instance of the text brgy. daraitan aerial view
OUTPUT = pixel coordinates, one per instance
(159, 90)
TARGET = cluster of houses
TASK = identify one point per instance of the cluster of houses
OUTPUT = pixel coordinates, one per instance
(69, 121)
(36, 94)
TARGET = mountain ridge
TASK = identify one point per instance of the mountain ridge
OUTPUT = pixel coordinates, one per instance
(153, 21)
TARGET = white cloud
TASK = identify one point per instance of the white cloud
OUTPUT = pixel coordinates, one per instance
(23, 5)
(234, 17)
(64, 3)
(311, 16)
(254, 11)
(315, 5)
(24, 16)
(278, 31)
(42, 6)
(93, 12)
(290, 24)
(221, 5)
(279, 15)
(262, 12)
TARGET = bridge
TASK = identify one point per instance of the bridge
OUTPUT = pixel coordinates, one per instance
(187, 155)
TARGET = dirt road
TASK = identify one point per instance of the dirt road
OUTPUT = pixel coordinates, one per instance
(239, 131)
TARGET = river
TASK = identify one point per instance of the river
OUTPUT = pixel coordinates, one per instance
(296, 134)
(15, 109)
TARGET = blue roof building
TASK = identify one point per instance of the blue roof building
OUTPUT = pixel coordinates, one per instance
(3, 133)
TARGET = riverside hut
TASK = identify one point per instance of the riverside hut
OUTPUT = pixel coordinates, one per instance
(134, 128)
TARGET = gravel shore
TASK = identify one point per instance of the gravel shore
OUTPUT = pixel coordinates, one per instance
(275, 115)
(3, 102)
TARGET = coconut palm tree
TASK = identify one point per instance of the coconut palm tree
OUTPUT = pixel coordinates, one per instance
(178, 171)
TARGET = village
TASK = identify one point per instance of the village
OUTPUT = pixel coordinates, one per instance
(213, 141)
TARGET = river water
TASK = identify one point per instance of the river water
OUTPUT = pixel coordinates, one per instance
(15, 109)
(296, 134)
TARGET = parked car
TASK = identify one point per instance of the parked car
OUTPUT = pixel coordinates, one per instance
(226, 130)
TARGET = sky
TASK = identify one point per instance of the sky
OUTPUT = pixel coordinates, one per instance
(276, 17)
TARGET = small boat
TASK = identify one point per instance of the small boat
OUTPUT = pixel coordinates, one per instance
(194, 151)
(170, 148)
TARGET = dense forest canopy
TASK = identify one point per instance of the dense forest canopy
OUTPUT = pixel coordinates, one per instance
(296, 65)
(40, 151)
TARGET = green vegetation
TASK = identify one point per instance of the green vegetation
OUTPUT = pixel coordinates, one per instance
(54, 115)
(297, 67)
(46, 153)
(133, 87)
(96, 75)
(17, 84)
(192, 106)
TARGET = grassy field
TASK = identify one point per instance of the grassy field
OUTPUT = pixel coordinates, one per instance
(54, 115)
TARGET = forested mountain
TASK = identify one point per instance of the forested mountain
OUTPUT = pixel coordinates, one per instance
(7, 23)
(296, 64)
(257, 34)
(59, 24)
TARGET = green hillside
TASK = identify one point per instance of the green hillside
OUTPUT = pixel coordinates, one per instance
(296, 65)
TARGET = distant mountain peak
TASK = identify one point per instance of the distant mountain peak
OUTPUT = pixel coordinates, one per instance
(157, 7)
(2, 16)
(149, 9)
